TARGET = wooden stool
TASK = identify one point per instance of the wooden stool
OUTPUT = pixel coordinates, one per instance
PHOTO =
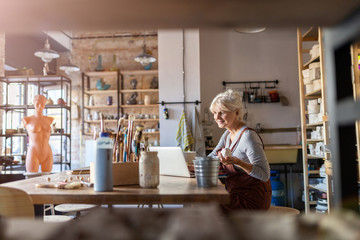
(285, 210)
(77, 208)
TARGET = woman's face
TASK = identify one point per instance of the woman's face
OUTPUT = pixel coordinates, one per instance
(225, 119)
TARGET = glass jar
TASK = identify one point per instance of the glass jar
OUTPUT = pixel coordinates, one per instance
(149, 174)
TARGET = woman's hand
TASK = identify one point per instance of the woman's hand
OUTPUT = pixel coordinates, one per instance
(228, 160)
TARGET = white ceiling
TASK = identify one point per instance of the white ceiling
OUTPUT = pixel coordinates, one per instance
(25, 15)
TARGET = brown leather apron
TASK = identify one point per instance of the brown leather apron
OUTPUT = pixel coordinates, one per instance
(246, 192)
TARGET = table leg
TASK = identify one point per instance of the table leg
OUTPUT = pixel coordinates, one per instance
(39, 210)
(286, 186)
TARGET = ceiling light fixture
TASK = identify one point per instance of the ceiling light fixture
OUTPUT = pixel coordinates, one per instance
(46, 55)
(145, 58)
(69, 67)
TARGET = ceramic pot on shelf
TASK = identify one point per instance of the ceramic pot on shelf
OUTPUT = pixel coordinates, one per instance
(147, 100)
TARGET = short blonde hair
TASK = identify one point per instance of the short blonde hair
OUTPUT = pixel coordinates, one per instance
(40, 98)
(228, 101)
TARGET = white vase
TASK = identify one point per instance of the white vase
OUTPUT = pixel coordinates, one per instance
(147, 100)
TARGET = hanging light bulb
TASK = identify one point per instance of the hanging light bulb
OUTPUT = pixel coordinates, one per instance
(144, 58)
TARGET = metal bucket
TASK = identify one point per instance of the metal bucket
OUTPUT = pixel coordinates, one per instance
(206, 171)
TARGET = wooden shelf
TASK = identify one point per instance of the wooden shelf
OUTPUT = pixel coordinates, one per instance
(315, 59)
(314, 140)
(123, 88)
(317, 188)
(152, 133)
(98, 121)
(140, 90)
(139, 72)
(101, 74)
(145, 120)
(312, 125)
(306, 41)
(139, 106)
(99, 106)
(100, 92)
(315, 156)
(115, 120)
(311, 35)
(314, 94)
(146, 133)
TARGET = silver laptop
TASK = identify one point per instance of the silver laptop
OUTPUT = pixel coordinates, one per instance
(172, 162)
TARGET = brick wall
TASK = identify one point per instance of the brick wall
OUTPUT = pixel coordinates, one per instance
(85, 52)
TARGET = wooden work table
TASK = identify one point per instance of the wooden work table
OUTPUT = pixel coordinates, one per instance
(172, 190)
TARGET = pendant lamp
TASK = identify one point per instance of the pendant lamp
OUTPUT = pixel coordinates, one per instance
(69, 67)
(144, 58)
(46, 55)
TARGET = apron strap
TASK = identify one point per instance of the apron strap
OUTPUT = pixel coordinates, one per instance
(237, 141)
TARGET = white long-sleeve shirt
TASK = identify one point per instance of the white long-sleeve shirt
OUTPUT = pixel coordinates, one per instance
(249, 149)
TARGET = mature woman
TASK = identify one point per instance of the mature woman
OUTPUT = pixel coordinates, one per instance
(38, 127)
(248, 171)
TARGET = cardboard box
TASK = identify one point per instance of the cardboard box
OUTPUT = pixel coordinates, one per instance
(126, 173)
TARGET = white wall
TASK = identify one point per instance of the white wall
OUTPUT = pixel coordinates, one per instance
(226, 55)
(230, 56)
(171, 78)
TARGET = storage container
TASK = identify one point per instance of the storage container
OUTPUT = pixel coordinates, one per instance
(314, 73)
(309, 88)
(206, 171)
(149, 172)
(278, 195)
(317, 84)
(313, 108)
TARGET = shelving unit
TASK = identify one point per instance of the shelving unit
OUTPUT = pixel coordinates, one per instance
(121, 89)
(89, 90)
(19, 92)
(355, 52)
(149, 112)
(307, 41)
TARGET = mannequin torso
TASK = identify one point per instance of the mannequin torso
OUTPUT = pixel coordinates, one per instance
(39, 130)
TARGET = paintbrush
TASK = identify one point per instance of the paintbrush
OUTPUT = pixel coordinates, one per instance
(120, 122)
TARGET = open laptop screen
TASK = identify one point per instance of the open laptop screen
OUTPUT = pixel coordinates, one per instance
(172, 161)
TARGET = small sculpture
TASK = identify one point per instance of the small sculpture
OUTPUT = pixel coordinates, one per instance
(100, 85)
(53, 128)
(61, 101)
(39, 130)
(133, 83)
(49, 101)
(154, 83)
(132, 99)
